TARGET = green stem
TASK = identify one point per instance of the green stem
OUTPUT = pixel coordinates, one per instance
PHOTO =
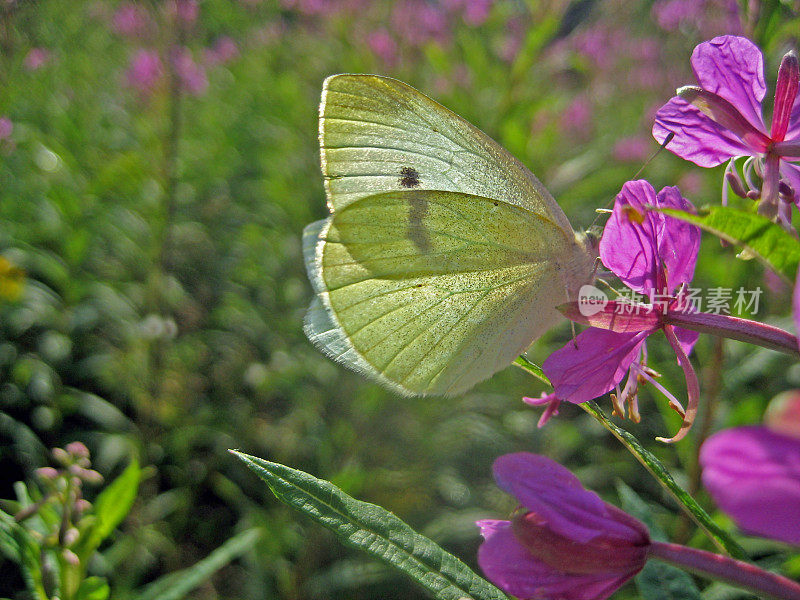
(657, 469)
(719, 536)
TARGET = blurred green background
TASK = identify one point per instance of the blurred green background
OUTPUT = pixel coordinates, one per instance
(158, 161)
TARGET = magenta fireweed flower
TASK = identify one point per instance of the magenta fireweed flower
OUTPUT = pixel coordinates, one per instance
(145, 71)
(564, 543)
(721, 119)
(753, 474)
(129, 20)
(6, 128)
(36, 58)
(192, 75)
(653, 255)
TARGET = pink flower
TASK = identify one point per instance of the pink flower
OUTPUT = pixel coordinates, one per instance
(145, 70)
(382, 45)
(634, 149)
(36, 58)
(564, 542)
(192, 75)
(417, 22)
(183, 11)
(653, 255)
(753, 474)
(223, 51)
(6, 127)
(673, 14)
(783, 414)
(129, 20)
(576, 119)
(721, 119)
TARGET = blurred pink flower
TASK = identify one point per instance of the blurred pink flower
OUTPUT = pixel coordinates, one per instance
(632, 149)
(6, 127)
(382, 45)
(564, 542)
(145, 70)
(129, 20)
(753, 474)
(192, 75)
(36, 58)
(783, 413)
(576, 119)
(673, 14)
(183, 11)
(418, 22)
(474, 12)
(224, 50)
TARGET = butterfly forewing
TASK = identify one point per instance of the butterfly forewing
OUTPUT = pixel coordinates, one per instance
(378, 134)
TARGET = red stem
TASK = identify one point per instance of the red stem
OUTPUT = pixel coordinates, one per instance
(730, 570)
(735, 328)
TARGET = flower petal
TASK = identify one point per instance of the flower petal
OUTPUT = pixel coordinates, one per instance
(796, 306)
(509, 566)
(592, 364)
(733, 67)
(678, 241)
(552, 492)
(753, 474)
(687, 339)
(697, 137)
(628, 246)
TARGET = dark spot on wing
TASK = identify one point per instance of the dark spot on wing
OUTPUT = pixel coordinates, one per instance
(409, 177)
(417, 230)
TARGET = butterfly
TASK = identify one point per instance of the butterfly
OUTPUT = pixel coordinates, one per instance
(443, 258)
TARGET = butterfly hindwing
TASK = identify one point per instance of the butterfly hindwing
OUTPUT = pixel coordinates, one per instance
(431, 292)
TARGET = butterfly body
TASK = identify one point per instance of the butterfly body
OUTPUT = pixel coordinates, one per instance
(443, 257)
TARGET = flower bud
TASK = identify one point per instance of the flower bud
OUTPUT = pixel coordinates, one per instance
(783, 414)
(566, 543)
(47, 473)
(77, 449)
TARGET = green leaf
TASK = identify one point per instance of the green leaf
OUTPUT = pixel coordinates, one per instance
(718, 535)
(656, 581)
(768, 241)
(375, 531)
(93, 588)
(110, 508)
(177, 585)
(532, 368)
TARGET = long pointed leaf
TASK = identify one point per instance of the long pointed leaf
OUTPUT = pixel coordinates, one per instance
(375, 531)
(177, 585)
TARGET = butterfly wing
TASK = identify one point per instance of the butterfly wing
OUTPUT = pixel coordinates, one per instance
(431, 292)
(444, 257)
(378, 134)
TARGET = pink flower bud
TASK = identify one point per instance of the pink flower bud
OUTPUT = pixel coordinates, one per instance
(71, 558)
(783, 413)
(61, 456)
(71, 536)
(566, 543)
(77, 449)
(47, 474)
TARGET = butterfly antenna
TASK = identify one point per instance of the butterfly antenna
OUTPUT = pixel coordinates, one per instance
(663, 145)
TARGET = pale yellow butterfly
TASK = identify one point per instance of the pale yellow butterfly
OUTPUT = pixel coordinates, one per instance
(443, 257)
